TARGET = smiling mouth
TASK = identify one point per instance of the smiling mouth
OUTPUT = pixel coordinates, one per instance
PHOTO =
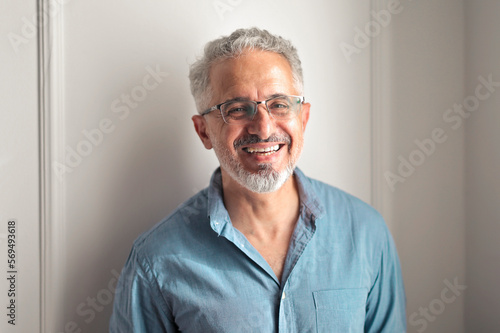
(263, 151)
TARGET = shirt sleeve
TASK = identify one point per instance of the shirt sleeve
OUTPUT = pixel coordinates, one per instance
(386, 304)
(139, 306)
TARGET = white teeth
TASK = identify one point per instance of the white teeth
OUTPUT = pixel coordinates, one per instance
(268, 150)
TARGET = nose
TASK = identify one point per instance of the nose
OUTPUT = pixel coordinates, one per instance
(262, 124)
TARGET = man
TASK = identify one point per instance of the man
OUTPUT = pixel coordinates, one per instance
(263, 248)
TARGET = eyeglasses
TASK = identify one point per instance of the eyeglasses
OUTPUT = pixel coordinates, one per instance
(280, 107)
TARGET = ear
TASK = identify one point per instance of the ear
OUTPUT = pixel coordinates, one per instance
(200, 126)
(304, 115)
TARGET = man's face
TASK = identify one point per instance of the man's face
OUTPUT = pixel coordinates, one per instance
(257, 76)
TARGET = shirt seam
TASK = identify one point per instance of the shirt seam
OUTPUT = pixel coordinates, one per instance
(155, 285)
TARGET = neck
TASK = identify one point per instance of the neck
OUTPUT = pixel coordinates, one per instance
(262, 215)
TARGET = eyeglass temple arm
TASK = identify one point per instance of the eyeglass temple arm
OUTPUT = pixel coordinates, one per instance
(215, 107)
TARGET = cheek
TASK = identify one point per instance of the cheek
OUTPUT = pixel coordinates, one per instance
(295, 130)
(297, 136)
(231, 135)
(222, 137)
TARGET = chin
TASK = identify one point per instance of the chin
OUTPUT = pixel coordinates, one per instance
(265, 180)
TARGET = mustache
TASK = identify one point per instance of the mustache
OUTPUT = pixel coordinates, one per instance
(249, 139)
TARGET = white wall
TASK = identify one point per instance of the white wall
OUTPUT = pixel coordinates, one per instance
(366, 115)
(147, 161)
(19, 167)
(482, 165)
(426, 206)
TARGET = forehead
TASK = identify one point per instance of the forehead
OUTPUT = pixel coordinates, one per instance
(253, 73)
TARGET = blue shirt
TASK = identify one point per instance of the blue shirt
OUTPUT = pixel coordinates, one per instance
(195, 272)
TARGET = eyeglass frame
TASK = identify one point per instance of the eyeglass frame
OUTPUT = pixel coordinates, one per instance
(218, 106)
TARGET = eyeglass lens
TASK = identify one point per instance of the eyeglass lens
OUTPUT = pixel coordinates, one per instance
(279, 107)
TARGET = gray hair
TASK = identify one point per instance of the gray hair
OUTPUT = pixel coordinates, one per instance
(232, 46)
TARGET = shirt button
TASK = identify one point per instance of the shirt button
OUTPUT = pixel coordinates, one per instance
(283, 296)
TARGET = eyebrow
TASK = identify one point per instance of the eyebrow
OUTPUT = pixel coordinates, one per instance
(245, 99)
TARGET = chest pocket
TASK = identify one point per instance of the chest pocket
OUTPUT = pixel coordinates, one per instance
(340, 310)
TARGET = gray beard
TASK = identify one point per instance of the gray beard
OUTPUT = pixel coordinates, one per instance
(264, 181)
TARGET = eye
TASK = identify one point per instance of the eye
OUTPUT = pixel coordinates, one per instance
(279, 106)
(237, 110)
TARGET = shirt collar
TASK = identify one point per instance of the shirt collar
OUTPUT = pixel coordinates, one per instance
(307, 195)
(219, 217)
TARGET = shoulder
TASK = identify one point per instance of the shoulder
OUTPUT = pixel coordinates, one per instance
(345, 212)
(177, 231)
(351, 229)
(333, 198)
